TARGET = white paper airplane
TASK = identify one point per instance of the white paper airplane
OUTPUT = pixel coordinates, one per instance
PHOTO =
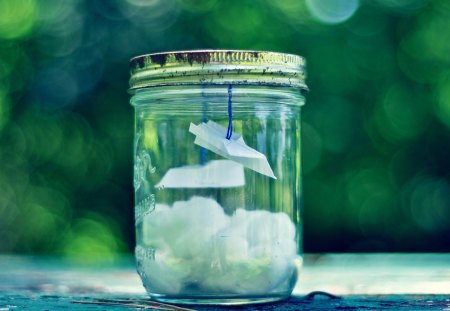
(212, 136)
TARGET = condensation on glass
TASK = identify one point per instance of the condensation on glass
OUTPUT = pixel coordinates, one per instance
(217, 175)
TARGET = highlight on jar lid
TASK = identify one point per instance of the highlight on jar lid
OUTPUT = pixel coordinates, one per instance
(217, 67)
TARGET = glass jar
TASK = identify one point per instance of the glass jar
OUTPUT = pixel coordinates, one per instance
(217, 175)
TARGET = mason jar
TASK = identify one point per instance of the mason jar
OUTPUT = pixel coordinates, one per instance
(217, 175)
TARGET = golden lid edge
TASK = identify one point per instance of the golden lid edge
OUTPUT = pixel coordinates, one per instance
(214, 66)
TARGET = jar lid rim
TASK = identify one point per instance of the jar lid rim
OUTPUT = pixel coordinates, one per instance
(217, 67)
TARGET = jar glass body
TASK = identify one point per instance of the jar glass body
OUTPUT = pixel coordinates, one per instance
(210, 228)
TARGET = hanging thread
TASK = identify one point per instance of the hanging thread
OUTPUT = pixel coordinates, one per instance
(230, 114)
(204, 120)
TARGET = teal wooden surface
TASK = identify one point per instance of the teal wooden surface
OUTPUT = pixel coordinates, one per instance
(362, 282)
(11, 302)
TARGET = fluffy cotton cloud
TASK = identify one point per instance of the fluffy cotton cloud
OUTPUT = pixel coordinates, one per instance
(198, 248)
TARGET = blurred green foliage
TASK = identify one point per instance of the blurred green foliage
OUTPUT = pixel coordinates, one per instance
(376, 140)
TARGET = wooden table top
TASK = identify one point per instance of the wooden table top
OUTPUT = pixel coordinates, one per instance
(360, 282)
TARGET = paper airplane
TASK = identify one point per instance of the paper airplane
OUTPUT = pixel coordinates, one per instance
(215, 174)
(211, 136)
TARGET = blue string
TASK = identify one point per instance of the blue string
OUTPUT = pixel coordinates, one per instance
(230, 114)
(204, 120)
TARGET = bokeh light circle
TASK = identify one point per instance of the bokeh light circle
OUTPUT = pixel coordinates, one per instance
(332, 11)
(17, 18)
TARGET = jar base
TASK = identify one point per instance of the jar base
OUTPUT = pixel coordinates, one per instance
(217, 300)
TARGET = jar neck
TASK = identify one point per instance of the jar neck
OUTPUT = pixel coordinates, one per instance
(241, 95)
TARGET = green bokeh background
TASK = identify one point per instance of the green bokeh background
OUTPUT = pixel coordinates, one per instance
(376, 140)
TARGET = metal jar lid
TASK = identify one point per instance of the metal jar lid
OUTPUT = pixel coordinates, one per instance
(217, 67)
